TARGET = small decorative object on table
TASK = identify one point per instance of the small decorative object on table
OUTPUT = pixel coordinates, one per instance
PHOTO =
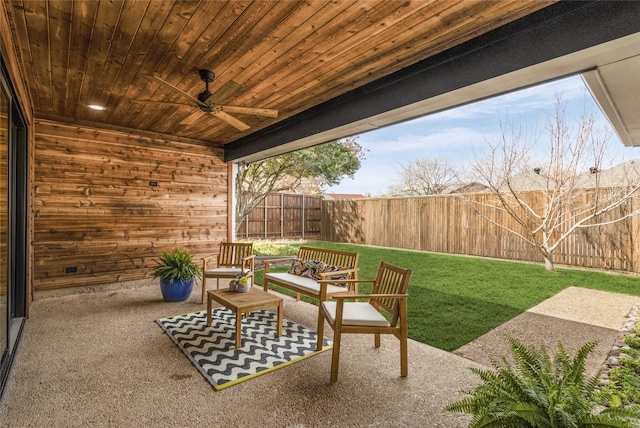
(243, 284)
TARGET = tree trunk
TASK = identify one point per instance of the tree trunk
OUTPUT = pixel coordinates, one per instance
(548, 263)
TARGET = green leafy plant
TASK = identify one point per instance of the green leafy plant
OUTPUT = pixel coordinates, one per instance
(623, 387)
(632, 341)
(176, 265)
(276, 248)
(540, 392)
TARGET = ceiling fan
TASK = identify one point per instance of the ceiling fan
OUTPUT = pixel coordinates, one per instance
(207, 102)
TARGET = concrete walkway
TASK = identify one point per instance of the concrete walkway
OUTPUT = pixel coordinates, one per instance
(100, 360)
(572, 317)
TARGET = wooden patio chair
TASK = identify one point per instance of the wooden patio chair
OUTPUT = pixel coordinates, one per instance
(388, 294)
(233, 259)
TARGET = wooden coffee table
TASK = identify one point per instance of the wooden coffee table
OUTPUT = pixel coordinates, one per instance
(244, 303)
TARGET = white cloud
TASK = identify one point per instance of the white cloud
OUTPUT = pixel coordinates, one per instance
(458, 134)
(523, 102)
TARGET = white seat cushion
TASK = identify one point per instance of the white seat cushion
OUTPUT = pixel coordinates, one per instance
(226, 271)
(357, 313)
(309, 284)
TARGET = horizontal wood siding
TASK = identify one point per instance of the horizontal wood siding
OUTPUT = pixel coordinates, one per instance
(448, 224)
(283, 216)
(95, 209)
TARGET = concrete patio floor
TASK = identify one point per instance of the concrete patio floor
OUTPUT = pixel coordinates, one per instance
(99, 359)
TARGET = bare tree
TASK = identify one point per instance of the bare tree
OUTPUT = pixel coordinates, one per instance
(424, 177)
(573, 192)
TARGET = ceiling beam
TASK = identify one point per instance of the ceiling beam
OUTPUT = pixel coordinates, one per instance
(549, 34)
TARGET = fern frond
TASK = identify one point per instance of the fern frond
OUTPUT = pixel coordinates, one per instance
(538, 391)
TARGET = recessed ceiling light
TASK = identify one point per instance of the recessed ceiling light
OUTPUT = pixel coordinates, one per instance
(96, 107)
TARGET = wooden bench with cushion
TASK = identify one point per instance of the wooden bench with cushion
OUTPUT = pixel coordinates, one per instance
(314, 271)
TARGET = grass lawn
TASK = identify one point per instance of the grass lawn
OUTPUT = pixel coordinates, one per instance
(455, 299)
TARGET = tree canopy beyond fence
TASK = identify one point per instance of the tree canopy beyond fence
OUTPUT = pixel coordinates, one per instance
(449, 224)
(283, 215)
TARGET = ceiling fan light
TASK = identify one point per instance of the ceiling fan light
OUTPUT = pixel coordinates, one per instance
(97, 107)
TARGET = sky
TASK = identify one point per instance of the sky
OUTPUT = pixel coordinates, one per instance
(460, 134)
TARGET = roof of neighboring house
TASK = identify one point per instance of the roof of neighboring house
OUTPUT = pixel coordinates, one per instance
(344, 196)
(530, 180)
(472, 187)
(624, 174)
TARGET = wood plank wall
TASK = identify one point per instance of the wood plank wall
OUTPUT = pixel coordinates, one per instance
(447, 224)
(96, 210)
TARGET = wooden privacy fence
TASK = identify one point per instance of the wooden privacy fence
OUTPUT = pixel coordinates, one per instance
(283, 215)
(449, 224)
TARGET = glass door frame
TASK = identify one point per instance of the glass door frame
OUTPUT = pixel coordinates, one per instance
(17, 227)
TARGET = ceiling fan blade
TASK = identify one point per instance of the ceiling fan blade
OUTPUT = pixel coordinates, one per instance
(174, 89)
(236, 123)
(227, 90)
(250, 110)
(162, 102)
(193, 117)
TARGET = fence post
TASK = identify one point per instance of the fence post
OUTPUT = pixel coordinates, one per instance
(265, 217)
(281, 215)
(303, 215)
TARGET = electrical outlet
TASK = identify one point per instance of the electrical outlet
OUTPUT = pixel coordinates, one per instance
(153, 183)
(71, 269)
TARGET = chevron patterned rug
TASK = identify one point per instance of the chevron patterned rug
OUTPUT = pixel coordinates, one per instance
(212, 349)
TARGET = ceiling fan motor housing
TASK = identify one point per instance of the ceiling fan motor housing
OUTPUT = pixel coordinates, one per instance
(207, 75)
(203, 97)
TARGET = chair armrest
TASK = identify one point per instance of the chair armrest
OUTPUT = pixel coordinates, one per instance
(337, 272)
(343, 281)
(210, 256)
(352, 284)
(267, 263)
(248, 262)
(206, 259)
(370, 296)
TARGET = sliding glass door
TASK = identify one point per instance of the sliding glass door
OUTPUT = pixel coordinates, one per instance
(13, 225)
(4, 222)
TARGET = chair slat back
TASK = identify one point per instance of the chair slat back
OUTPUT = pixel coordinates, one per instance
(232, 253)
(390, 280)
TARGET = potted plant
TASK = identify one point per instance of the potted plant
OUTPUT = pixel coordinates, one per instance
(177, 273)
(241, 284)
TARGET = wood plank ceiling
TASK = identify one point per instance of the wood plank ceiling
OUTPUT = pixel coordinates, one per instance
(283, 55)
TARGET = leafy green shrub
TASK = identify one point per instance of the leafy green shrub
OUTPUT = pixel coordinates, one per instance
(633, 353)
(632, 341)
(623, 388)
(276, 248)
(176, 265)
(540, 392)
(631, 364)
